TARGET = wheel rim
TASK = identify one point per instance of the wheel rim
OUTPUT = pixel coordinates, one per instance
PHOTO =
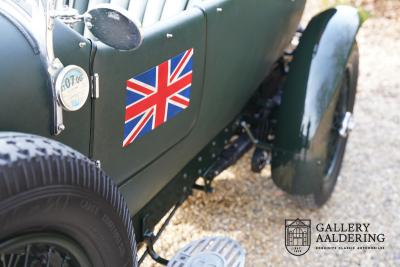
(337, 140)
(42, 250)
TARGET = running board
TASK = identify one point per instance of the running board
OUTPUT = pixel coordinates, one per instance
(210, 252)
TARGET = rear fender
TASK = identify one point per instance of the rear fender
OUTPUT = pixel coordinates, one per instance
(308, 99)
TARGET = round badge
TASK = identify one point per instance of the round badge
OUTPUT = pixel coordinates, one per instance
(72, 86)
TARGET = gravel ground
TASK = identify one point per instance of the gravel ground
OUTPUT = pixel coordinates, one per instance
(251, 209)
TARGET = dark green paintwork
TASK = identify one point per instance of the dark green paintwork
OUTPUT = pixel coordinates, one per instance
(243, 42)
(234, 50)
(23, 84)
(115, 67)
(180, 187)
(25, 99)
(309, 98)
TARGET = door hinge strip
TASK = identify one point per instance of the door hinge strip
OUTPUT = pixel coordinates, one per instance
(96, 86)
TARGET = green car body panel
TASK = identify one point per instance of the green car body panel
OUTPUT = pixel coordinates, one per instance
(237, 60)
(235, 42)
(308, 99)
(115, 67)
(26, 101)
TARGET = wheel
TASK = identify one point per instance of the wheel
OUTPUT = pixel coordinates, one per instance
(341, 126)
(58, 209)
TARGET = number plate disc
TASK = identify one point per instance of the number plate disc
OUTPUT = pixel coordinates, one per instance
(72, 87)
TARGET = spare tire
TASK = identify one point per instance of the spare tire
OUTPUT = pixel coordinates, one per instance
(58, 209)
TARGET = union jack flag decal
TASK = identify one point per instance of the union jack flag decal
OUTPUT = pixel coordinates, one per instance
(157, 95)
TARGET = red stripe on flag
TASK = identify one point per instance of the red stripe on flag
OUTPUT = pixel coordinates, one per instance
(180, 84)
(177, 69)
(135, 86)
(159, 98)
(138, 129)
(139, 107)
(180, 100)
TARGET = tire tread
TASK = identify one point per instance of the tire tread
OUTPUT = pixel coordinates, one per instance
(19, 152)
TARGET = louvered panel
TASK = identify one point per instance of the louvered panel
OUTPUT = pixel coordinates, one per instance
(173, 7)
(153, 12)
(121, 3)
(137, 9)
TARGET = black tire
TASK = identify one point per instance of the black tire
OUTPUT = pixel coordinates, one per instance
(52, 192)
(345, 102)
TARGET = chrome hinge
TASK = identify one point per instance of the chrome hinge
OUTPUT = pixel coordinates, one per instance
(96, 86)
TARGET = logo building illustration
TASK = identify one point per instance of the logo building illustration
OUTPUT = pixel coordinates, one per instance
(297, 236)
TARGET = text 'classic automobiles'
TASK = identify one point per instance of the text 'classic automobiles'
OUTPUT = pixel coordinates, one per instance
(113, 111)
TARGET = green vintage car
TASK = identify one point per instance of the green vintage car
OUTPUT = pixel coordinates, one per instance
(113, 112)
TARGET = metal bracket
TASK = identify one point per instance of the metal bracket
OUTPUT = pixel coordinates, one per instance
(54, 65)
(289, 53)
(246, 128)
(150, 238)
(255, 141)
(97, 163)
(347, 125)
(68, 14)
(207, 187)
(58, 122)
(95, 86)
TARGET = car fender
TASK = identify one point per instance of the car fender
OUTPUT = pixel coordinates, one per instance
(309, 93)
(26, 97)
